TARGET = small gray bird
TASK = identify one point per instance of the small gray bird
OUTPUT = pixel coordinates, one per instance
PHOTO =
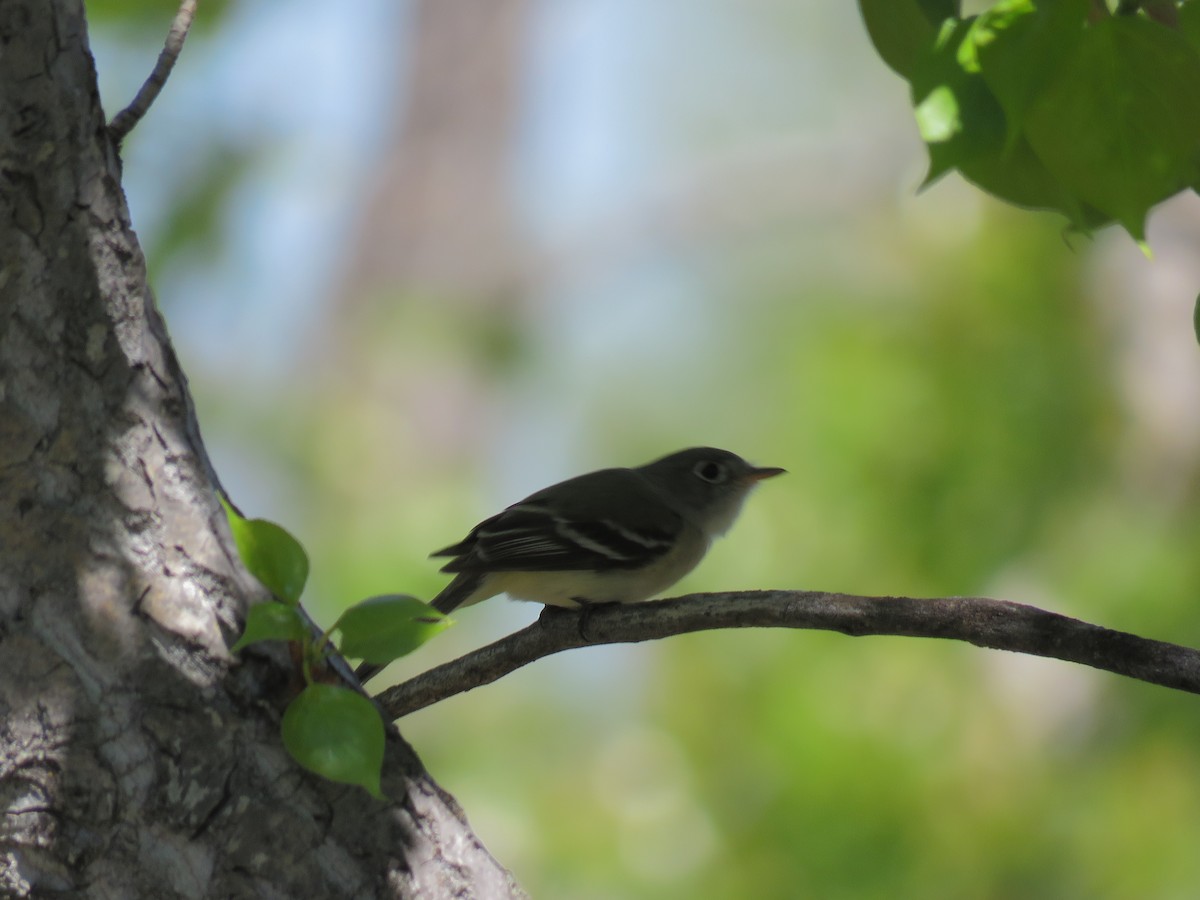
(611, 536)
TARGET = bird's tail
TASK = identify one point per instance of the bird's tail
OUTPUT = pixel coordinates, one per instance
(457, 592)
(451, 597)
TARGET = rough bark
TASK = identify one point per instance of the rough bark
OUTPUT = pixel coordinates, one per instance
(137, 758)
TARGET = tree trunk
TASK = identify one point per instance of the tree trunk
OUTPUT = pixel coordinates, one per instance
(137, 757)
(440, 219)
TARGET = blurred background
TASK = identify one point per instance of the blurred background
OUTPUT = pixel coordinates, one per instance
(421, 258)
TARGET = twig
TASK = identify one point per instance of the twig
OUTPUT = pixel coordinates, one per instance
(997, 624)
(124, 121)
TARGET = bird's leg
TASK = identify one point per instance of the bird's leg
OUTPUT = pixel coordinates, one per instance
(550, 612)
(586, 608)
(585, 616)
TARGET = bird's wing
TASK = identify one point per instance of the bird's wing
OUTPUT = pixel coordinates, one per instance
(593, 533)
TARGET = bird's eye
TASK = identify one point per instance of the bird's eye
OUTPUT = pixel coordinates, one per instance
(712, 472)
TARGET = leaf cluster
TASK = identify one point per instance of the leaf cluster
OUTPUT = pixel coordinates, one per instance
(1054, 104)
(329, 729)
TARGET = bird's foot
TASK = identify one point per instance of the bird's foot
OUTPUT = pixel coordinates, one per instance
(550, 613)
(586, 609)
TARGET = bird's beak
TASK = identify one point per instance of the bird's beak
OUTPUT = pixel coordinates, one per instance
(759, 474)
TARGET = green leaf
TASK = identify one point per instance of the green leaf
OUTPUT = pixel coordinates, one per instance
(957, 115)
(1017, 176)
(1196, 319)
(271, 621)
(1019, 46)
(336, 733)
(270, 554)
(940, 10)
(384, 628)
(902, 30)
(939, 117)
(1189, 22)
(1120, 126)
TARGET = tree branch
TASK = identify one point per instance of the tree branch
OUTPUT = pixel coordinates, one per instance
(997, 624)
(124, 121)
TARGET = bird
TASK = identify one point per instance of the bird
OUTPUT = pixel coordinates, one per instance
(620, 535)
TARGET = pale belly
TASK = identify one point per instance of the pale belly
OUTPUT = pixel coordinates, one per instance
(614, 586)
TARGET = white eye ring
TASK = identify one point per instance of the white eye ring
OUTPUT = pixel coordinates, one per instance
(710, 471)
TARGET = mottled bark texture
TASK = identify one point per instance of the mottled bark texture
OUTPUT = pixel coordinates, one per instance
(137, 758)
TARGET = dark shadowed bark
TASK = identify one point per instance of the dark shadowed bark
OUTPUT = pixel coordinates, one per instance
(137, 758)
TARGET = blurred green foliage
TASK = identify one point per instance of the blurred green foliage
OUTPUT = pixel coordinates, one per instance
(143, 13)
(193, 224)
(956, 431)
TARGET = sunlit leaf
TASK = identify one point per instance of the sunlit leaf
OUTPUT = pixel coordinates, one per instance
(957, 115)
(336, 733)
(387, 627)
(270, 554)
(271, 621)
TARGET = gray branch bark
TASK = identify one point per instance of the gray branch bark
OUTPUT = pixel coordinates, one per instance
(997, 624)
(126, 120)
(137, 759)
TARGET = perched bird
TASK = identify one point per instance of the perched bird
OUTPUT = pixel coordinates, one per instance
(611, 536)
